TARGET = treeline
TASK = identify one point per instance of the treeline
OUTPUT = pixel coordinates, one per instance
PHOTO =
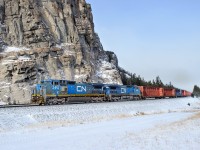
(196, 91)
(133, 79)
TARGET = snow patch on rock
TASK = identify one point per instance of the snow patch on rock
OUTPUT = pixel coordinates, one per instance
(81, 77)
(11, 60)
(24, 58)
(108, 72)
(3, 103)
(63, 45)
(14, 49)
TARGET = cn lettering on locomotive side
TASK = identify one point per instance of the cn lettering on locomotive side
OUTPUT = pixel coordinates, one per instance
(81, 89)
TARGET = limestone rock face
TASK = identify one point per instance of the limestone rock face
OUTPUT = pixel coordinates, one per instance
(42, 39)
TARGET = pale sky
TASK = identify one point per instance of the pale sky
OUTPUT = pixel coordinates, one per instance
(152, 37)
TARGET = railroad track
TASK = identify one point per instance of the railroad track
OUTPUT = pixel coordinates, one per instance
(35, 105)
(12, 106)
(70, 103)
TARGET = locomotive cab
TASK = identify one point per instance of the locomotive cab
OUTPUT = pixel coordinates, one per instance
(38, 94)
(178, 93)
(137, 91)
(107, 92)
(98, 88)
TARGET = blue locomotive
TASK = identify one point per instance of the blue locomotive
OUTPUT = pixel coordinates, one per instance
(178, 93)
(64, 91)
(118, 92)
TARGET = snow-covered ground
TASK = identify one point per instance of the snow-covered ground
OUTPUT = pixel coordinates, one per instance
(150, 124)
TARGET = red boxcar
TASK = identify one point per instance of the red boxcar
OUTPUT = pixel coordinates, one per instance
(151, 92)
(183, 93)
(188, 93)
(169, 92)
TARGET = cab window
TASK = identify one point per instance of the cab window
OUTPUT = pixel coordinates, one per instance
(55, 83)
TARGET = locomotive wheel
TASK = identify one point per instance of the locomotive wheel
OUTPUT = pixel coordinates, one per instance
(66, 100)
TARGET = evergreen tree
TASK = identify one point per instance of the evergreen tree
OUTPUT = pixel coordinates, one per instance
(132, 79)
(154, 83)
(124, 78)
(196, 91)
(159, 83)
(149, 83)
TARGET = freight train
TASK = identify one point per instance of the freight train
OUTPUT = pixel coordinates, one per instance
(51, 91)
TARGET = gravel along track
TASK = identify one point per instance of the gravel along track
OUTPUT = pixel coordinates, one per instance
(69, 115)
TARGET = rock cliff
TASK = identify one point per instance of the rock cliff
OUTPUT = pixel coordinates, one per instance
(42, 39)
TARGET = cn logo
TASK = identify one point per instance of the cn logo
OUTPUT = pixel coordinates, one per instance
(81, 89)
(123, 90)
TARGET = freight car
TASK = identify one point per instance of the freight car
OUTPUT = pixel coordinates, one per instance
(151, 92)
(64, 91)
(169, 92)
(186, 93)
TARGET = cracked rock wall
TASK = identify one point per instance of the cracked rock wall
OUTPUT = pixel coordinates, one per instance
(42, 39)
